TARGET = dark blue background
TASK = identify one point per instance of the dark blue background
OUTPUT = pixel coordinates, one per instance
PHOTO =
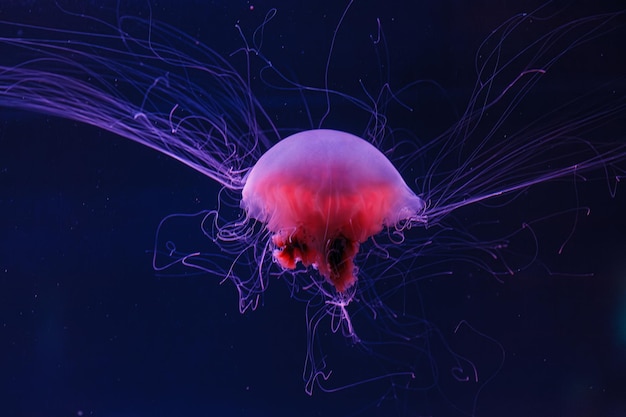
(86, 327)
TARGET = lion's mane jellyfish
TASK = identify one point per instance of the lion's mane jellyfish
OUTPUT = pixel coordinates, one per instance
(322, 193)
(352, 235)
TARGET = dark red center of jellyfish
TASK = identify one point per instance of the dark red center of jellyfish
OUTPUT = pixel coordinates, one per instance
(322, 193)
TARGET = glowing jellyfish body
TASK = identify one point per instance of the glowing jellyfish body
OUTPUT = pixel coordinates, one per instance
(322, 193)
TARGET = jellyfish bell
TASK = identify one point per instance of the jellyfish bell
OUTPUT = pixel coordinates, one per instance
(322, 193)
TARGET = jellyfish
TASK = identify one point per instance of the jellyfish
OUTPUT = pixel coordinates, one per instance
(349, 210)
(322, 193)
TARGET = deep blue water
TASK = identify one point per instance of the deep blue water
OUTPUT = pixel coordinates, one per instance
(87, 328)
